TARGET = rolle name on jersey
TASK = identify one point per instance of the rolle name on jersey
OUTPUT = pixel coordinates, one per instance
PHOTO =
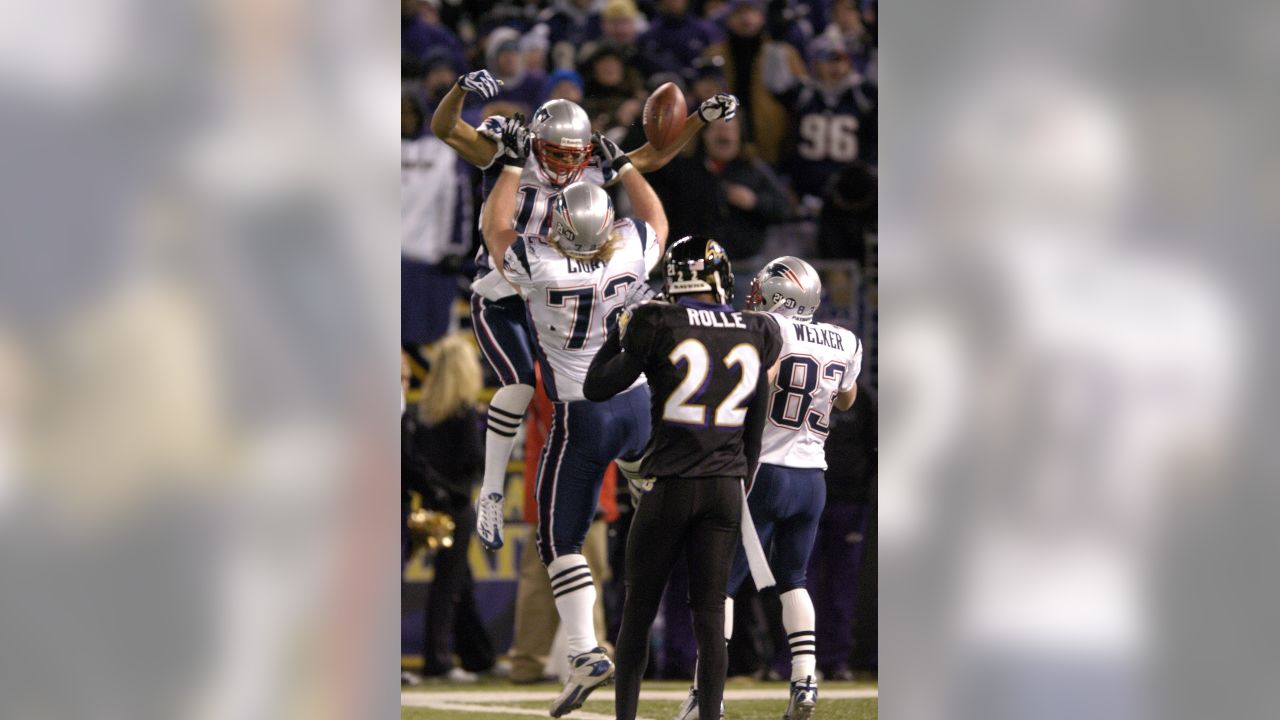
(715, 318)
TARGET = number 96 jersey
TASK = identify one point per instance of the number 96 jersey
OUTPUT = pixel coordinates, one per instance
(703, 363)
(573, 304)
(818, 362)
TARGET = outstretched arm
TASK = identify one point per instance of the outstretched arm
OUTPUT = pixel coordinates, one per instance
(611, 371)
(647, 158)
(447, 123)
(500, 207)
(645, 204)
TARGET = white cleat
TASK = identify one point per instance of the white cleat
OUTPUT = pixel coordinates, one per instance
(804, 697)
(587, 672)
(489, 520)
(689, 710)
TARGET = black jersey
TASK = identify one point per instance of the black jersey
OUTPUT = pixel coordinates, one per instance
(703, 363)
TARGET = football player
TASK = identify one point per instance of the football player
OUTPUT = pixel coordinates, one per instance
(817, 369)
(707, 369)
(562, 153)
(575, 281)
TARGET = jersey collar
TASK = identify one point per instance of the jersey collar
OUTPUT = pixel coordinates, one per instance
(699, 305)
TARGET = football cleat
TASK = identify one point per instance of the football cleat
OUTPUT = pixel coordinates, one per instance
(804, 696)
(587, 672)
(689, 709)
(489, 521)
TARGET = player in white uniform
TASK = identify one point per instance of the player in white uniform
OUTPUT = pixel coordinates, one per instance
(563, 152)
(576, 280)
(817, 369)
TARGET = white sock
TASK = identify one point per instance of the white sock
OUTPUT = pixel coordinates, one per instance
(728, 634)
(575, 597)
(798, 619)
(506, 410)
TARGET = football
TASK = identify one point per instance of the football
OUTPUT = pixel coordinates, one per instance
(664, 114)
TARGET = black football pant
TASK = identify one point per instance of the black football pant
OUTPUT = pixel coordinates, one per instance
(701, 516)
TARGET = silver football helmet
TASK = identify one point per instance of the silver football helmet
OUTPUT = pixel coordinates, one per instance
(561, 140)
(581, 219)
(788, 286)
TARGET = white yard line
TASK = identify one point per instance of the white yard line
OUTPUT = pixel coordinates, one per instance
(465, 701)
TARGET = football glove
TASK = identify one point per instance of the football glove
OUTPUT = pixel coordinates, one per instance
(638, 293)
(481, 83)
(721, 105)
(514, 138)
(609, 153)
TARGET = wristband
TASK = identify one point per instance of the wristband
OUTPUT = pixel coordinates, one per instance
(513, 168)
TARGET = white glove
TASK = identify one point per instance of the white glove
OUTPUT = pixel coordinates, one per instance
(480, 82)
(637, 484)
(638, 293)
(721, 105)
(515, 141)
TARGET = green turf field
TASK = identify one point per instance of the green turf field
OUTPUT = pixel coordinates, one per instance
(494, 700)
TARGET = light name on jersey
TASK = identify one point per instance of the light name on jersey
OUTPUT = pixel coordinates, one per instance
(821, 336)
(582, 266)
(715, 318)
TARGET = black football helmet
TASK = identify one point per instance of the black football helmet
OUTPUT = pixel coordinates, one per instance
(697, 264)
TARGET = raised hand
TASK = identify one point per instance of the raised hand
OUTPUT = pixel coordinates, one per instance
(481, 83)
(721, 105)
(609, 153)
(515, 141)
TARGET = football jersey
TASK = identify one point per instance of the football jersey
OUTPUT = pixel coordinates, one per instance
(818, 361)
(533, 203)
(702, 362)
(572, 304)
(831, 130)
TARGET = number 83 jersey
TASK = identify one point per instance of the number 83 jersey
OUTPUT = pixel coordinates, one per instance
(818, 362)
(572, 304)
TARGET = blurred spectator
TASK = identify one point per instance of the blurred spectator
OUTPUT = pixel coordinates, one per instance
(836, 562)
(570, 25)
(614, 90)
(722, 191)
(435, 227)
(533, 49)
(564, 85)
(421, 32)
(849, 214)
(706, 79)
(857, 31)
(445, 454)
(674, 38)
(827, 115)
(764, 117)
(504, 60)
(621, 22)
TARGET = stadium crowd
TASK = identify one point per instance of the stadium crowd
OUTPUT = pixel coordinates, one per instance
(795, 174)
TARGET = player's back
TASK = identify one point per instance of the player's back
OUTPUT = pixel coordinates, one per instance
(573, 303)
(817, 362)
(703, 362)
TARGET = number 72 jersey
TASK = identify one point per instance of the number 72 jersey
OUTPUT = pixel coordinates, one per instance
(572, 304)
(818, 362)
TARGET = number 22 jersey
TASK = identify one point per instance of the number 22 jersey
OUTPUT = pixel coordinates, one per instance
(702, 362)
(818, 361)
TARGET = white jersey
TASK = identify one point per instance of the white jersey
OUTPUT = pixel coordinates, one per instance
(533, 204)
(817, 362)
(432, 204)
(572, 303)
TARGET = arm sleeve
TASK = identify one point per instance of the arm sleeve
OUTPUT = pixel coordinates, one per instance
(612, 370)
(515, 264)
(492, 128)
(855, 365)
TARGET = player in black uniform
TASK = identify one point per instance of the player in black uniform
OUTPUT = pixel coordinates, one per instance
(708, 372)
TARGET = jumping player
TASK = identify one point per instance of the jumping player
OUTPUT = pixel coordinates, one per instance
(817, 369)
(707, 369)
(575, 281)
(562, 153)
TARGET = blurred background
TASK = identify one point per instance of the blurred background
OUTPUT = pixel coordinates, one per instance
(793, 174)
